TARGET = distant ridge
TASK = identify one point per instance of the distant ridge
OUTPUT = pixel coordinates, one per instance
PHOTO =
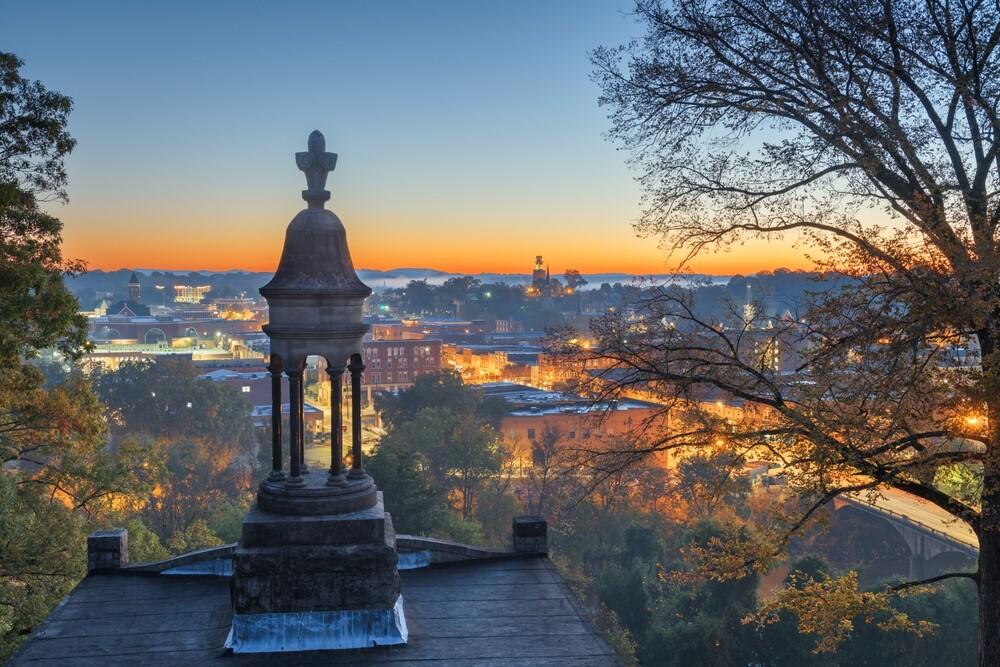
(398, 277)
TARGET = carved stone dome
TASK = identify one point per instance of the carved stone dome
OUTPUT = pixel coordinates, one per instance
(316, 258)
(315, 298)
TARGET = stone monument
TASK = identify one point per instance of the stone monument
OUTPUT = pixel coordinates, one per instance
(315, 567)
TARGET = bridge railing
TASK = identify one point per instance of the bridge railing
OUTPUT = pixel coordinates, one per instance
(919, 524)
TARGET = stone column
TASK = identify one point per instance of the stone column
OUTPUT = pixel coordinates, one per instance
(277, 474)
(294, 428)
(356, 367)
(336, 426)
(302, 424)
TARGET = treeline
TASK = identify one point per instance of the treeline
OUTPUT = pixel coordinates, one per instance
(468, 298)
(773, 292)
(91, 287)
(442, 461)
(633, 545)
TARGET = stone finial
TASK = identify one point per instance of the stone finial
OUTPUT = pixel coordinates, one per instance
(317, 164)
(107, 549)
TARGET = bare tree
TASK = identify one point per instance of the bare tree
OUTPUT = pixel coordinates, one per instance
(546, 468)
(870, 132)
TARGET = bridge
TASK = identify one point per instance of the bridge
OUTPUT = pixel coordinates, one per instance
(936, 539)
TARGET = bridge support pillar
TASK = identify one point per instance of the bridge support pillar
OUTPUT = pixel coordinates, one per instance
(918, 554)
(918, 567)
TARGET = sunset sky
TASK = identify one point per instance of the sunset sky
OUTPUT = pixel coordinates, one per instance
(468, 133)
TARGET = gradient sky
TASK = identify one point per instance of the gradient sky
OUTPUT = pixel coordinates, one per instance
(468, 133)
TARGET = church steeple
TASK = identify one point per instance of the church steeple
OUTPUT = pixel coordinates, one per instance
(133, 288)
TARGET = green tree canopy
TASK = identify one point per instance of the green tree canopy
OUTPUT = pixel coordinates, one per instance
(444, 389)
(58, 470)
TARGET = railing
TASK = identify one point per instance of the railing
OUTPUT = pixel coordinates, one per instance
(919, 525)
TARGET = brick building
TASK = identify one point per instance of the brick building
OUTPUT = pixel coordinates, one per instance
(395, 364)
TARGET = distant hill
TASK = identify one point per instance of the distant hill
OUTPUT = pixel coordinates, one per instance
(781, 289)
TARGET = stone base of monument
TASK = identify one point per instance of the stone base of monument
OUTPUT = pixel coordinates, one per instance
(316, 496)
(307, 582)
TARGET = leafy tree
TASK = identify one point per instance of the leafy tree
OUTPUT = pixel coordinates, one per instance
(441, 448)
(201, 429)
(43, 552)
(870, 131)
(417, 297)
(961, 481)
(547, 467)
(417, 504)
(165, 400)
(709, 481)
(449, 297)
(444, 389)
(33, 144)
(573, 279)
(197, 535)
(460, 452)
(58, 471)
(143, 544)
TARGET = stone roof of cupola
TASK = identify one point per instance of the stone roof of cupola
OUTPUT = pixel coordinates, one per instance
(316, 258)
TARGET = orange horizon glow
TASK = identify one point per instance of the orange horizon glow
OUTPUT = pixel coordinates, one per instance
(468, 248)
(261, 257)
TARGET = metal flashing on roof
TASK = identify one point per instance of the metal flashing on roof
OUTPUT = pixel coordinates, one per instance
(318, 630)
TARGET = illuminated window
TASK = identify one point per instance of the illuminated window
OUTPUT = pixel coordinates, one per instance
(246, 389)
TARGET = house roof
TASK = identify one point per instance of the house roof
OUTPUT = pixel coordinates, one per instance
(511, 612)
(128, 308)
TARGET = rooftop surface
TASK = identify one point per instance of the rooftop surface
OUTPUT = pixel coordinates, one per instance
(511, 612)
(527, 401)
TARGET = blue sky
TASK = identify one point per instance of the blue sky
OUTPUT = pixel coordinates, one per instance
(469, 133)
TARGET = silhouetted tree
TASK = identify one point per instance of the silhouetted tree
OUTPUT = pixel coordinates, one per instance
(872, 131)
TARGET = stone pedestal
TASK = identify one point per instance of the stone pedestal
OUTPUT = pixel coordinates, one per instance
(315, 563)
(328, 581)
(316, 496)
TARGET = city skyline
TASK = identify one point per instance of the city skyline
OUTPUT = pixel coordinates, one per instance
(497, 157)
